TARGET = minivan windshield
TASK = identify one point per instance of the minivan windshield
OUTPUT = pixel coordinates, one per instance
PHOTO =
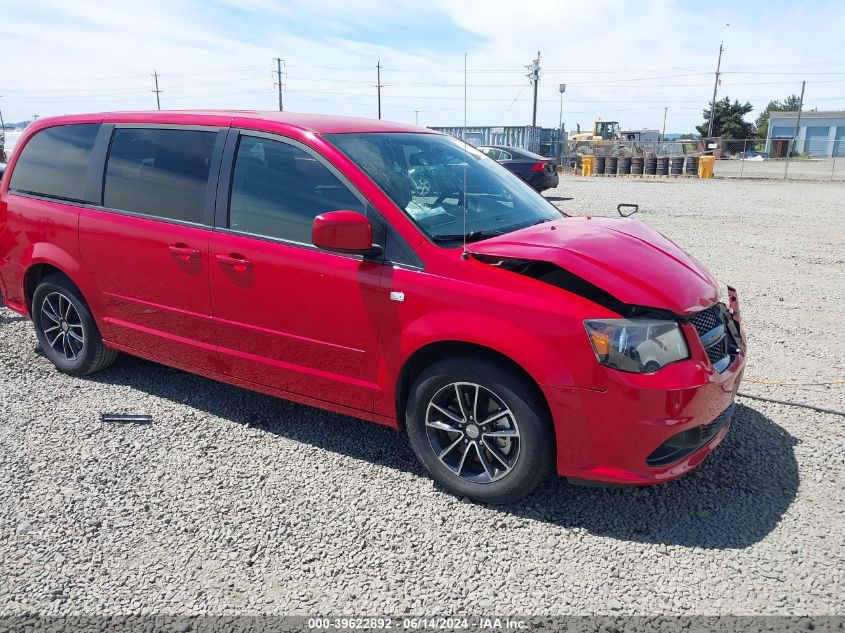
(424, 175)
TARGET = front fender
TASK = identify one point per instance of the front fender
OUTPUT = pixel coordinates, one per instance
(528, 349)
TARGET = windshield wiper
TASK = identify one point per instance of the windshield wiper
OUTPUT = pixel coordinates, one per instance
(472, 236)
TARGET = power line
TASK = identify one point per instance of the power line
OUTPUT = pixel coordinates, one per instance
(52, 98)
(446, 69)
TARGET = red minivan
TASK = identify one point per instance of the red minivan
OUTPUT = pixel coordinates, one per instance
(292, 254)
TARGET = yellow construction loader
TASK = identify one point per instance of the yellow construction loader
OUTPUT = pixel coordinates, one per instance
(604, 140)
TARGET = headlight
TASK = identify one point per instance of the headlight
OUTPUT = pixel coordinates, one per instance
(636, 345)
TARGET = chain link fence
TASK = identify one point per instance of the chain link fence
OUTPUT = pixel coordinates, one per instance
(735, 158)
(777, 158)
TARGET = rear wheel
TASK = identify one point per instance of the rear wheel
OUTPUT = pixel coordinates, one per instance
(480, 430)
(66, 330)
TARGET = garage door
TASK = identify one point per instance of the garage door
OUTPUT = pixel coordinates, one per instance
(839, 146)
(816, 143)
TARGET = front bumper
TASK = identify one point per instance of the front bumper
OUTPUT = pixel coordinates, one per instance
(645, 428)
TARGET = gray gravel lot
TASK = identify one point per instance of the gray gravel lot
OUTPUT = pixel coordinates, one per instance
(236, 502)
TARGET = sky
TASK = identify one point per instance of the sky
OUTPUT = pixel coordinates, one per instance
(624, 61)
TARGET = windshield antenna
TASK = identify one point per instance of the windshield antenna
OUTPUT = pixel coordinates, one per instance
(464, 254)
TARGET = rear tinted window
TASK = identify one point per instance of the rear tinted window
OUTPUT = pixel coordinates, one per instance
(54, 163)
(161, 173)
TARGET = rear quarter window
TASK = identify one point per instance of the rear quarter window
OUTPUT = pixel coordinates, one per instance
(54, 162)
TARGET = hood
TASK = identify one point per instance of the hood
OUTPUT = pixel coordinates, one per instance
(624, 257)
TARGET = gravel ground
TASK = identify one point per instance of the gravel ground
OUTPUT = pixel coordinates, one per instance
(233, 502)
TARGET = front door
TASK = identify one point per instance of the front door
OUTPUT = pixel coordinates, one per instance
(287, 315)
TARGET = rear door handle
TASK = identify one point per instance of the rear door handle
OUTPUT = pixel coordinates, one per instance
(184, 252)
(238, 262)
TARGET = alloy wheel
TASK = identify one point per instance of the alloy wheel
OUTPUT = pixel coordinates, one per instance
(472, 432)
(62, 326)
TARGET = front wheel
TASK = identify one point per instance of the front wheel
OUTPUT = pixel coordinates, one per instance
(480, 430)
(66, 329)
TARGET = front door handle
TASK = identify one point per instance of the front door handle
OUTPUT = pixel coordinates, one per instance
(238, 262)
(184, 252)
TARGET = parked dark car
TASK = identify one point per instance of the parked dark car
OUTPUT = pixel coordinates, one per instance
(538, 171)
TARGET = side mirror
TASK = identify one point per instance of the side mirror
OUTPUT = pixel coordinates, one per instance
(343, 232)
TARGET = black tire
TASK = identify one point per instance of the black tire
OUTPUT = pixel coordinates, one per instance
(68, 354)
(533, 459)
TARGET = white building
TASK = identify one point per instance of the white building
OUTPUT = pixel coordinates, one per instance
(819, 134)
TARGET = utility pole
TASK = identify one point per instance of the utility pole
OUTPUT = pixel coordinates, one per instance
(665, 112)
(278, 83)
(416, 117)
(534, 76)
(378, 86)
(562, 89)
(797, 127)
(157, 91)
(715, 86)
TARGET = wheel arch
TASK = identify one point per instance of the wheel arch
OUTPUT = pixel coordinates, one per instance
(41, 256)
(33, 276)
(431, 352)
(45, 259)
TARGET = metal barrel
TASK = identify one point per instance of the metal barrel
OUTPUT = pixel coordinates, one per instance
(611, 165)
(650, 165)
(662, 166)
(692, 165)
(637, 165)
(600, 163)
(676, 165)
(625, 165)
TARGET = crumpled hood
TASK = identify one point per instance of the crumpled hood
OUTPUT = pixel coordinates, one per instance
(623, 256)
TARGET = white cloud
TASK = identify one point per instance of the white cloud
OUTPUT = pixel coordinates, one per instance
(620, 60)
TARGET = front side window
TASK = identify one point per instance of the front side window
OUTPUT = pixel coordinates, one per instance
(424, 175)
(278, 189)
(159, 172)
(54, 163)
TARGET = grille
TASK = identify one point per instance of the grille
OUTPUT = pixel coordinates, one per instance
(706, 320)
(718, 351)
(724, 346)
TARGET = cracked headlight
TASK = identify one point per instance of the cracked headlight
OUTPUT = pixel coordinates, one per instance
(636, 345)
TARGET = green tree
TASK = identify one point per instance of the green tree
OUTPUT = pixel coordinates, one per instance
(728, 121)
(790, 104)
